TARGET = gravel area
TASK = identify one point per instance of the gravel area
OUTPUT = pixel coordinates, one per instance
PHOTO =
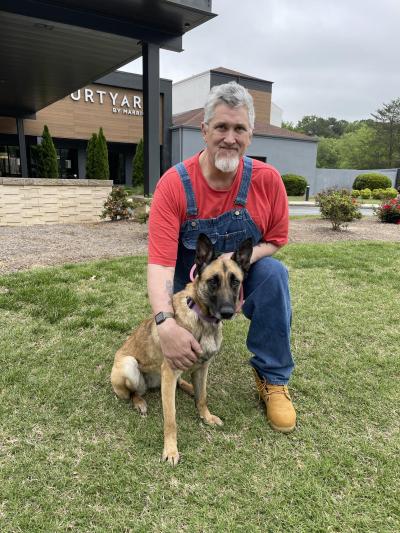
(22, 248)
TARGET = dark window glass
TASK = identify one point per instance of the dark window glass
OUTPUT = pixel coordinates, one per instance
(10, 163)
(67, 162)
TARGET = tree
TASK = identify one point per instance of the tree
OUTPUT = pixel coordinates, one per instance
(101, 168)
(321, 127)
(328, 153)
(45, 155)
(360, 149)
(288, 126)
(90, 156)
(138, 165)
(388, 125)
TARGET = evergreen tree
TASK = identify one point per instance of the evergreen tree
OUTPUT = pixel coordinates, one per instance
(101, 167)
(138, 165)
(47, 157)
(90, 155)
(388, 127)
(37, 158)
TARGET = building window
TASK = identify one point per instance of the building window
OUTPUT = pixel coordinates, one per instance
(67, 162)
(116, 162)
(10, 163)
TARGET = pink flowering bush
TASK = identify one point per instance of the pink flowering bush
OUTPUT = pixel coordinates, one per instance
(389, 211)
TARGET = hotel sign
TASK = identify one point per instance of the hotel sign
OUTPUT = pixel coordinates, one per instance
(121, 104)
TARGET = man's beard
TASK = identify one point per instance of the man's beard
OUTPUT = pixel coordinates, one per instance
(227, 164)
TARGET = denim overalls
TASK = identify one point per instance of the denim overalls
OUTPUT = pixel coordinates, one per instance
(266, 288)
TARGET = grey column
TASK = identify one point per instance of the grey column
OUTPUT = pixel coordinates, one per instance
(22, 147)
(151, 109)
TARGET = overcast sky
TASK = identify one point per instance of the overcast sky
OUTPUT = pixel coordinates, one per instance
(336, 58)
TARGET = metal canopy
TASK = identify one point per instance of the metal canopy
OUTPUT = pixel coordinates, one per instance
(51, 48)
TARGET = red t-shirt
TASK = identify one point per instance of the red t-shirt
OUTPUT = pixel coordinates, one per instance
(266, 202)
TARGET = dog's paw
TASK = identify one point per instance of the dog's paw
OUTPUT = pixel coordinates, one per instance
(140, 405)
(171, 456)
(213, 420)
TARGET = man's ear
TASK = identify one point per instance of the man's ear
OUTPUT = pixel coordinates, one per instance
(242, 255)
(204, 252)
(204, 128)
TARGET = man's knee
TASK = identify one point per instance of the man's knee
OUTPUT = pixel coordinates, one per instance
(266, 270)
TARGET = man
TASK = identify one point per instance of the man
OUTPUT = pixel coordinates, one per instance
(230, 198)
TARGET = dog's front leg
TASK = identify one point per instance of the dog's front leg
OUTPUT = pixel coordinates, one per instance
(199, 378)
(169, 379)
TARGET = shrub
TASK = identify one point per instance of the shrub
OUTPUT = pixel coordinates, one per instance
(380, 194)
(101, 168)
(138, 165)
(338, 206)
(141, 209)
(45, 156)
(365, 194)
(295, 185)
(90, 156)
(117, 206)
(355, 193)
(372, 180)
(389, 211)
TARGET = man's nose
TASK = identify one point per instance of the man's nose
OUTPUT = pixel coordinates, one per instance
(230, 137)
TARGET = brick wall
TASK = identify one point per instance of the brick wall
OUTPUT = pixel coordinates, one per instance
(28, 201)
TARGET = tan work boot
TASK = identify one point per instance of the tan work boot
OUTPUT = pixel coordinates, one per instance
(281, 414)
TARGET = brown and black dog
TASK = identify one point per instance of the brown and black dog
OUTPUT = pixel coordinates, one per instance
(139, 364)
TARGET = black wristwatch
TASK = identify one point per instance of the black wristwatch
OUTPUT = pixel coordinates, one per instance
(162, 317)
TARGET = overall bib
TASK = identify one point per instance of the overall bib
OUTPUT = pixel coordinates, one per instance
(266, 288)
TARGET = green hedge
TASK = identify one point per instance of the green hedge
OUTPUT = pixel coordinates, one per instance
(295, 185)
(372, 181)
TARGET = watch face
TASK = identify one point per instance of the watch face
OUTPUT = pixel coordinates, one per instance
(159, 318)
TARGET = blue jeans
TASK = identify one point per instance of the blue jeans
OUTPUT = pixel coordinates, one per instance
(267, 306)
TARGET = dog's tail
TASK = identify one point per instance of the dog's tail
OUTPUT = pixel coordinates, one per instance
(128, 379)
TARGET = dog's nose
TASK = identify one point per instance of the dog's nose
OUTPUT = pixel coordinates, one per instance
(227, 312)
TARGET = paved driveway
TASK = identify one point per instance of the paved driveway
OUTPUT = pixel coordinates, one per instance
(297, 210)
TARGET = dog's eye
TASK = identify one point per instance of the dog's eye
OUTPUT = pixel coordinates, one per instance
(234, 282)
(213, 283)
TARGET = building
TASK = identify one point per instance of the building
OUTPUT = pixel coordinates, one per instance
(113, 102)
(51, 49)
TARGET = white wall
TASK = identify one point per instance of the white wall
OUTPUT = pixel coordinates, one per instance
(190, 93)
(276, 115)
(338, 177)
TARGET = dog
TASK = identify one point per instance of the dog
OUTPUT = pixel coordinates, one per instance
(139, 364)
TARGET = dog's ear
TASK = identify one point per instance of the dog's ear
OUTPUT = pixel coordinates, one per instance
(242, 255)
(204, 252)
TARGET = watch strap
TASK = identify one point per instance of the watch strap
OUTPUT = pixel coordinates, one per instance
(162, 316)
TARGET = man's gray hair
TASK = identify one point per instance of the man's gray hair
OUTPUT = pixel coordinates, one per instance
(231, 94)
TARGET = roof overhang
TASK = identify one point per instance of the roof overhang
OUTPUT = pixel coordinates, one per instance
(52, 48)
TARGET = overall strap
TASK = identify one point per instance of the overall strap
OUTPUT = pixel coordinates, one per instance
(191, 207)
(241, 198)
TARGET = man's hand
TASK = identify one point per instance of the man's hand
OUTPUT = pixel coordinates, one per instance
(179, 346)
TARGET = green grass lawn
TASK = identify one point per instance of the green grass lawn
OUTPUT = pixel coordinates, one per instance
(75, 458)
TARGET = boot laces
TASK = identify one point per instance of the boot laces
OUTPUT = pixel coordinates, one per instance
(265, 389)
